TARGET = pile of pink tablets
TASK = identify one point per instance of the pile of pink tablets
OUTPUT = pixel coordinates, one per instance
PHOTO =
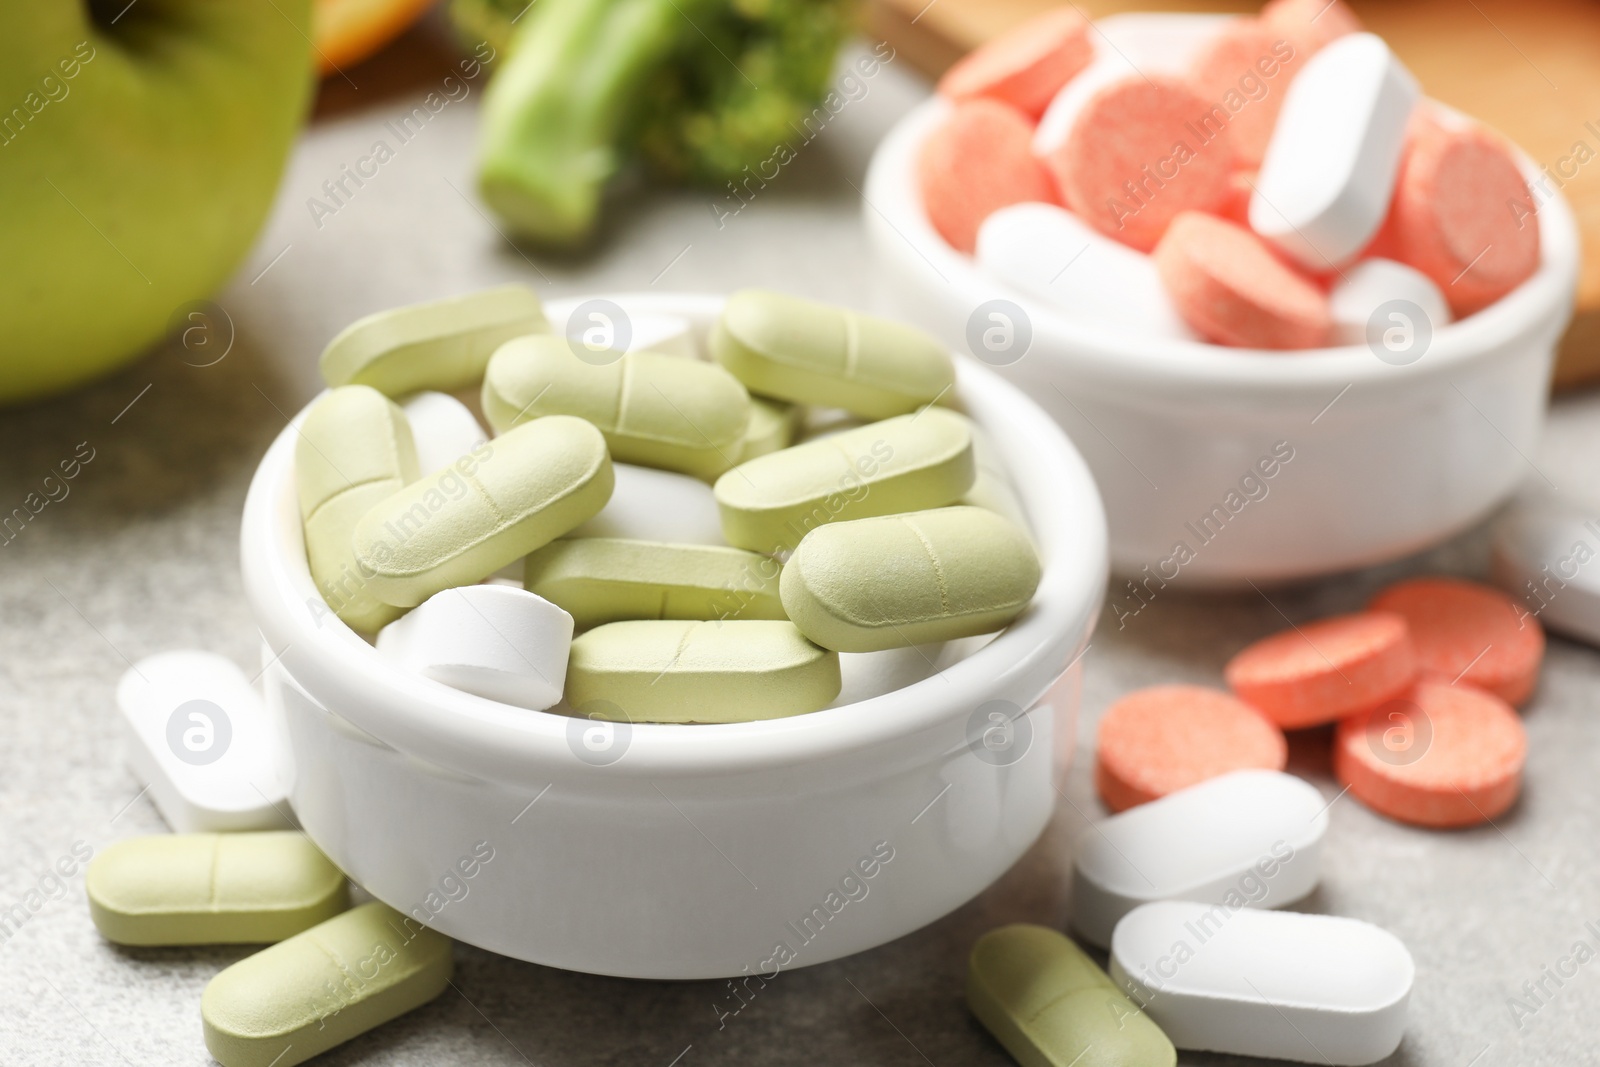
(1270, 182)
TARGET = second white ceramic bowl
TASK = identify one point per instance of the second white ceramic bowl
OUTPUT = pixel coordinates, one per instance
(662, 851)
(1383, 460)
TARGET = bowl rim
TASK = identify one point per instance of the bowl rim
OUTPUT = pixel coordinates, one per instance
(484, 739)
(1173, 368)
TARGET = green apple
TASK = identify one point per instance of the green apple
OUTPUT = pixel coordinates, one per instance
(140, 147)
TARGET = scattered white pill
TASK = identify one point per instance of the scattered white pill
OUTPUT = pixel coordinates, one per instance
(1157, 42)
(495, 641)
(199, 737)
(1329, 171)
(1545, 552)
(1049, 253)
(1366, 288)
(443, 428)
(1249, 838)
(1107, 68)
(655, 505)
(1278, 984)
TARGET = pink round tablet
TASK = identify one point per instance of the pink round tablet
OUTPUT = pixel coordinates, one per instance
(1243, 72)
(978, 162)
(1310, 24)
(1026, 66)
(1138, 154)
(1232, 290)
(1235, 207)
(1462, 214)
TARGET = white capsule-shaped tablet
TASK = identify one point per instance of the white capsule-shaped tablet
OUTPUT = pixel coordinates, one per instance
(1165, 42)
(670, 335)
(1543, 551)
(1250, 838)
(443, 429)
(199, 736)
(495, 641)
(1107, 68)
(602, 328)
(1278, 984)
(1379, 301)
(1329, 170)
(653, 505)
(1049, 253)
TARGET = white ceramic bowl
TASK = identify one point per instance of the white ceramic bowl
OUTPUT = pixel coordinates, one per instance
(1386, 459)
(702, 848)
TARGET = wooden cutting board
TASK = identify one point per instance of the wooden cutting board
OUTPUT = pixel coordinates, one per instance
(1530, 68)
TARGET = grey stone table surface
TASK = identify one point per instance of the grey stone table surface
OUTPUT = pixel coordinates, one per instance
(141, 556)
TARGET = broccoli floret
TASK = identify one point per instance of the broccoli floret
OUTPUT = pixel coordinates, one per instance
(698, 89)
(731, 97)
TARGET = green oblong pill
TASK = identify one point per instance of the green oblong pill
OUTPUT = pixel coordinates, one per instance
(1050, 1006)
(606, 579)
(442, 345)
(493, 506)
(907, 463)
(773, 425)
(322, 987)
(793, 349)
(212, 889)
(354, 451)
(897, 580)
(676, 671)
(656, 411)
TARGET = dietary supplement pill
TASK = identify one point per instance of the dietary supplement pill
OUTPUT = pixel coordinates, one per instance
(1164, 738)
(442, 345)
(898, 580)
(355, 449)
(457, 526)
(496, 641)
(1050, 1006)
(680, 671)
(907, 463)
(323, 987)
(212, 889)
(658, 411)
(602, 579)
(793, 349)
(1243, 839)
(1281, 985)
(1466, 632)
(1325, 670)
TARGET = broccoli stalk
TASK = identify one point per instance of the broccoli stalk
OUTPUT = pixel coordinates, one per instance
(699, 89)
(555, 111)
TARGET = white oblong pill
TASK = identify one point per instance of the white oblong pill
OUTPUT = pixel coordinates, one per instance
(1250, 837)
(1049, 253)
(656, 505)
(670, 335)
(1545, 551)
(599, 328)
(494, 641)
(1279, 984)
(1329, 171)
(1359, 303)
(199, 736)
(1107, 68)
(993, 488)
(1165, 42)
(443, 429)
